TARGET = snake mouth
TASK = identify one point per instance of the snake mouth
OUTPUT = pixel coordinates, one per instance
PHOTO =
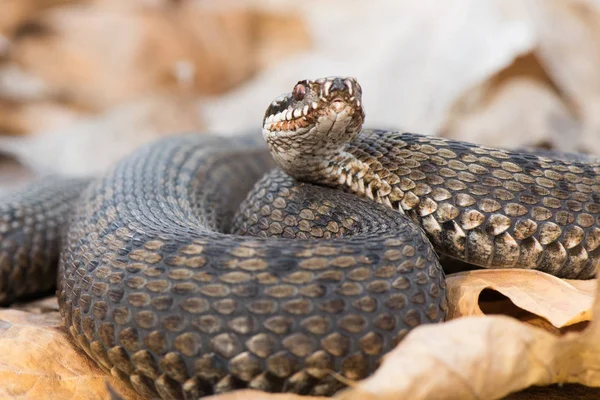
(291, 121)
(301, 120)
(338, 104)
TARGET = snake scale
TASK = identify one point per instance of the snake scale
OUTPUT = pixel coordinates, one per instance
(166, 285)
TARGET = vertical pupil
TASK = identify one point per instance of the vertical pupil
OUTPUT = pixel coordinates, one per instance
(299, 92)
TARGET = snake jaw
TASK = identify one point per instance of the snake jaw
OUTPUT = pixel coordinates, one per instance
(312, 124)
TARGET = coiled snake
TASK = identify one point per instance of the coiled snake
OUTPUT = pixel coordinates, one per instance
(157, 285)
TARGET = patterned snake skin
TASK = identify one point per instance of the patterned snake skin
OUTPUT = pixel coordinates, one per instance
(158, 283)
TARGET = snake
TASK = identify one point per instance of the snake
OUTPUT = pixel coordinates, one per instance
(289, 261)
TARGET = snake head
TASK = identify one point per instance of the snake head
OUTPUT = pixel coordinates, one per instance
(313, 122)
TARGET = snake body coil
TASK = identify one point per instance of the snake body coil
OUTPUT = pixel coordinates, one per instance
(157, 286)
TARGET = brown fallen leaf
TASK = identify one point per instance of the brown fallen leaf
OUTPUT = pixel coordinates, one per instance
(15, 12)
(498, 115)
(572, 68)
(483, 358)
(165, 47)
(472, 357)
(87, 147)
(38, 361)
(155, 52)
(561, 302)
(468, 358)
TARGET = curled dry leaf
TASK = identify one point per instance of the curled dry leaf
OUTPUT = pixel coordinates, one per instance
(499, 111)
(488, 357)
(87, 147)
(560, 302)
(156, 51)
(484, 358)
(172, 47)
(572, 68)
(38, 361)
(468, 358)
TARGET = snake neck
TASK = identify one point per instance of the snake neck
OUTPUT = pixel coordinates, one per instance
(315, 163)
(318, 153)
(342, 166)
(365, 177)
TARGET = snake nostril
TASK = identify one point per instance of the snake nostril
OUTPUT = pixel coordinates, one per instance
(338, 85)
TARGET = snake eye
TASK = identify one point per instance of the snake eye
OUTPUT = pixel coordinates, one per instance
(299, 91)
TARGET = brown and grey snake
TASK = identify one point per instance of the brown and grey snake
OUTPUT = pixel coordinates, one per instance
(166, 286)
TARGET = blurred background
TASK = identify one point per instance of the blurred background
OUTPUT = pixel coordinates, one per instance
(83, 83)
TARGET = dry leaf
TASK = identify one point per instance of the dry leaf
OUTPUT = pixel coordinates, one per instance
(468, 358)
(88, 146)
(16, 12)
(483, 358)
(561, 302)
(38, 361)
(155, 51)
(520, 112)
(573, 68)
(96, 55)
